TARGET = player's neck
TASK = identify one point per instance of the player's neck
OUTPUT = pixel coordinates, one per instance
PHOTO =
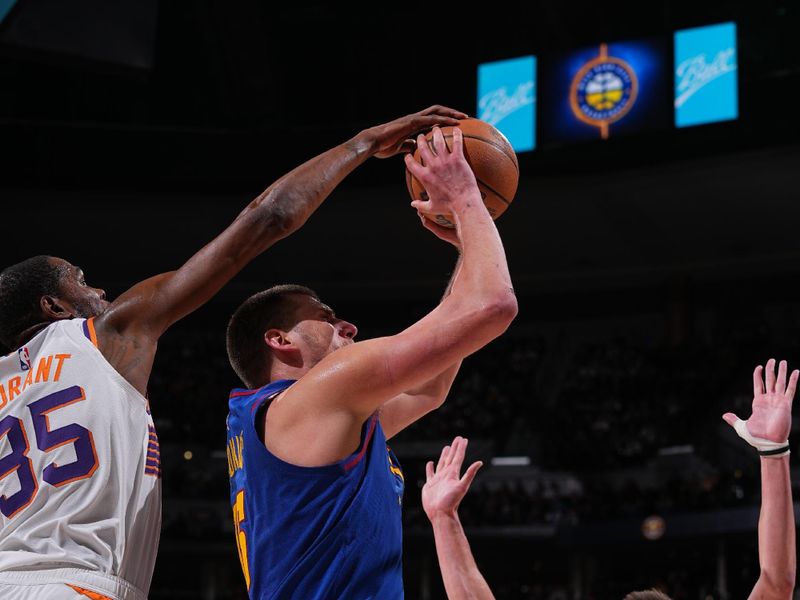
(28, 334)
(284, 371)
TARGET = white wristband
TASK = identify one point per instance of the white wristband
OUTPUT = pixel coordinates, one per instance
(766, 448)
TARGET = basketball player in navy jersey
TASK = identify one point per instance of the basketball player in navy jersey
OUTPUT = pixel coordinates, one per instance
(767, 430)
(79, 472)
(316, 493)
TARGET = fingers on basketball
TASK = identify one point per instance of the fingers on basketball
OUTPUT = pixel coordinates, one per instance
(490, 156)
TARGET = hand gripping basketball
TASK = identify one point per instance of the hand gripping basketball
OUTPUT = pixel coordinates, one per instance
(445, 173)
(489, 155)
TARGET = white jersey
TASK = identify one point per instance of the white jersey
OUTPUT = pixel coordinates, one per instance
(80, 486)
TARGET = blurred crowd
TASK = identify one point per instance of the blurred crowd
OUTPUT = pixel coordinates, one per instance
(635, 420)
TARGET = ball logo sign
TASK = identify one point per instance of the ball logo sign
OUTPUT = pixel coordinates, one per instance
(694, 73)
(603, 91)
(706, 84)
(507, 99)
(496, 105)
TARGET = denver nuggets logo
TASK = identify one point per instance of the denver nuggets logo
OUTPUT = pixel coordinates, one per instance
(603, 91)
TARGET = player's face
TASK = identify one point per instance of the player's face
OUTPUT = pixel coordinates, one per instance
(319, 331)
(85, 301)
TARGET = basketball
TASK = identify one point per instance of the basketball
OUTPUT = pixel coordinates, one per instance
(493, 161)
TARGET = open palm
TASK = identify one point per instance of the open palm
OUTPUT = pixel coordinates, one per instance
(772, 403)
(445, 488)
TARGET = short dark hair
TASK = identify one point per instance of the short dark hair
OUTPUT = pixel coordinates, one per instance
(272, 308)
(652, 594)
(21, 289)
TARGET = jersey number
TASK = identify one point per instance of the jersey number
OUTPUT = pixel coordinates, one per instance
(241, 537)
(47, 440)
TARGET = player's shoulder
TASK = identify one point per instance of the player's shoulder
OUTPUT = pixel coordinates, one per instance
(239, 397)
(74, 328)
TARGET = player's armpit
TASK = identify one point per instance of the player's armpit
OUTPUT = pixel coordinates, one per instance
(404, 409)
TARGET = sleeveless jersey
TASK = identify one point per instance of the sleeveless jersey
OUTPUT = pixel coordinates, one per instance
(316, 533)
(80, 485)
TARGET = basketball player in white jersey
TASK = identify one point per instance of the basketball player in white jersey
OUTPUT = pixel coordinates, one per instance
(80, 499)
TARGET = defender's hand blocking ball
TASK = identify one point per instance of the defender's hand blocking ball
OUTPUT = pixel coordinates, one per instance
(491, 158)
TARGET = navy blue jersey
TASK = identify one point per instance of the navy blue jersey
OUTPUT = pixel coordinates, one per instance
(314, 533)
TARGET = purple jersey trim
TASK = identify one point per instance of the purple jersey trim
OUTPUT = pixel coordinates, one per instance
(357, 458)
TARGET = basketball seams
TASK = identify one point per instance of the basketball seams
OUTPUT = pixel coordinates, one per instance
(493, 191)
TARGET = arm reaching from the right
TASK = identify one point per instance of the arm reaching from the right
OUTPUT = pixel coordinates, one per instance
(767, 429)
(441, 495)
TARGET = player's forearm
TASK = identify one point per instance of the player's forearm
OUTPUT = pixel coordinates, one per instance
(276, 213)
(483, 276)
(437, 388)
(454, 276)
(462, 578)
(286, 205)
(776, 530)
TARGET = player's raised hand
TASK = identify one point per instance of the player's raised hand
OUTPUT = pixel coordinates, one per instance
(445, 174)
(398, 135)
(445, 487)
(771, 419)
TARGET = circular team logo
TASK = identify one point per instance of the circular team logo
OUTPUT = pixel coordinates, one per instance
(603, 91)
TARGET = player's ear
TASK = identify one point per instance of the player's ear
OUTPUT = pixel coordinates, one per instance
(282, 348)
(55, 309)
(277, 339)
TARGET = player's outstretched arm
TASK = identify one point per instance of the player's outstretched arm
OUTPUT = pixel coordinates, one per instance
(767, 430)
(149, 308)
(441, 495)
(343, 389)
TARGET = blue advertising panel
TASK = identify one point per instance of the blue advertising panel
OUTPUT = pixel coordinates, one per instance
(605, 90)
(5, 7)
(706, 82)
(507, 99)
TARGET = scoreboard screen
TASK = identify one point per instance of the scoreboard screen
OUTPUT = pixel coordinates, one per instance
(613, 88)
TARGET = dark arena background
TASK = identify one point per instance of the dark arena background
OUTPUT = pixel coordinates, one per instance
(654, 269)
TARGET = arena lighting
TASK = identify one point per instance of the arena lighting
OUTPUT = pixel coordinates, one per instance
(676, 450)
(511, 461)
(653, 528)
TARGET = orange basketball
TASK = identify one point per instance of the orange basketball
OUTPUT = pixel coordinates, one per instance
(492, 159)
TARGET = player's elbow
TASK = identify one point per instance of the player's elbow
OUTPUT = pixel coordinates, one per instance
(263, 223)
(778, 586)
(501, 309)
(278, 222)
